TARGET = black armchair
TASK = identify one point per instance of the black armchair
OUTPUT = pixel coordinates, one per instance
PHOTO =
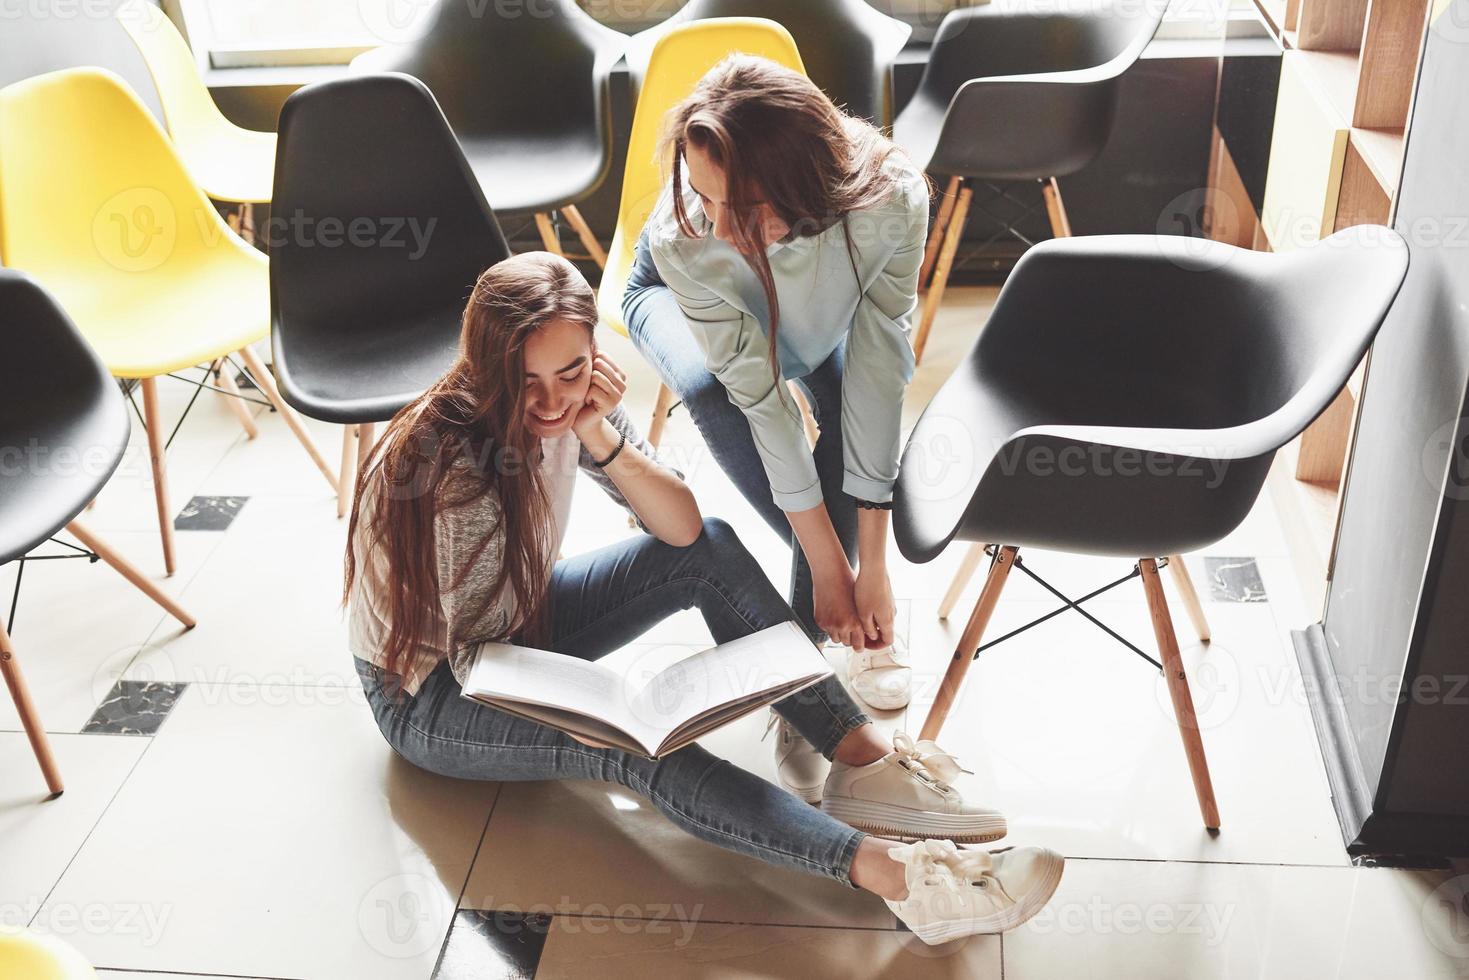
(1126, 398)
(1015, 92)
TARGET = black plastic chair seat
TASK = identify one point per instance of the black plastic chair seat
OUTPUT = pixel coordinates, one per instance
(1129, 392)
(527, 90)
(63, 423)
(375, 376)
(362, 326)
(1017, 91)
(535, 171)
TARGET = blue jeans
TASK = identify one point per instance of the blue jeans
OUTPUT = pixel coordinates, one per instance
(601, 601)
(659, 332)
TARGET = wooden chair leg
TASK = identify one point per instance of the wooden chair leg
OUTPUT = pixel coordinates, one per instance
(26, 708)
(936, 233)
(994, 583)
(129, 571)
(584, 232)
(967, 568)
(266, 384)
(153, 421)
(1056, 209)
(1178, 690)
(936, 288)
(549, 238)
(226, 382)
(345, 480)
(808, 418)
(366, 439)
(1190, 596)
(660, 414)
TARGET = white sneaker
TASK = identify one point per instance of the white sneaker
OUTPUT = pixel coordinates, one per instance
(955, 891)
(881, 677)
(909, 793)
(800, 768)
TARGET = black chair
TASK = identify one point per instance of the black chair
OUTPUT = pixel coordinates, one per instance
(528, 93)
(1126, 398)
(848, 48)
(364, 321)
(1013, 92)
(65, 426)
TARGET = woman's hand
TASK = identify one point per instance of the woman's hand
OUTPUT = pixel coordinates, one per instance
(834, 605)
(609, 382)
(873, 595)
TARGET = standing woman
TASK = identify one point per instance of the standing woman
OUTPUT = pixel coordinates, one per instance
(458, 520)
(787, 248)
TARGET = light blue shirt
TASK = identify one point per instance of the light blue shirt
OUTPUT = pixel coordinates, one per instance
(825, 297)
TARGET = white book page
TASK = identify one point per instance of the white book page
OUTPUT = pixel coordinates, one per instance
(553, 679)
(729, 672)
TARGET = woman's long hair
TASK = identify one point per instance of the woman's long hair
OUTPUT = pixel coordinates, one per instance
(775, 134)
(475, 412)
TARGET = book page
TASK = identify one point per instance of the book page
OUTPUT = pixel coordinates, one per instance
(734, 671)
(542, 677)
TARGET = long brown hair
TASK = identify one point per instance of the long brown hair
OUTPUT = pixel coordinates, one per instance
(475, 413)
(778, 136)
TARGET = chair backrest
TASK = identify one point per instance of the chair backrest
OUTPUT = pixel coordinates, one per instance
(1164, 332)
(677, 62)
(56, 400)
(537, 67)
(93, 197)
(1018, 37)
(377, 215)
(848, 47)
(188, 108)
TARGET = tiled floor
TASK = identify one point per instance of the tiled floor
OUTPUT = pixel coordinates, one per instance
(232, 810)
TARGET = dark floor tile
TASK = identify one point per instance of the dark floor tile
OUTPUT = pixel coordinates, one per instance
(1234, 580)
(493, 945)
(209, 513)
(134, 708)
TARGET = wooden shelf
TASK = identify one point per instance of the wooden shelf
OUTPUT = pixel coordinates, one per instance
(1382, 152)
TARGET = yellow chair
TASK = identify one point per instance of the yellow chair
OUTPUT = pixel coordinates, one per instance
(674, 66)
(96, 205)
(32, 956)
(228, 163)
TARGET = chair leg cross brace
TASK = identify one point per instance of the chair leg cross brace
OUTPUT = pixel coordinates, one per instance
(1004, 558)
(1076, 605)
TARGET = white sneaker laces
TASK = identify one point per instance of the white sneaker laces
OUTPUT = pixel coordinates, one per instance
(971, 867)
(927, 761)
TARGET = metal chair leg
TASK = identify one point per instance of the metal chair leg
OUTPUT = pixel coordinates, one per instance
(1178, 690)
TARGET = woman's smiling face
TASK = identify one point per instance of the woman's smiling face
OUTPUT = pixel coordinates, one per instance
(558, 374)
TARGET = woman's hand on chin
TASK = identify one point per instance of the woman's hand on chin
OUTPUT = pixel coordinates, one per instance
(609, 382)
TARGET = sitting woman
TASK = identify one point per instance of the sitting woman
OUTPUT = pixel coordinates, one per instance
(459, 518)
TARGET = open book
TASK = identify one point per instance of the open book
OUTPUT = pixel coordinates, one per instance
(646, 712)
